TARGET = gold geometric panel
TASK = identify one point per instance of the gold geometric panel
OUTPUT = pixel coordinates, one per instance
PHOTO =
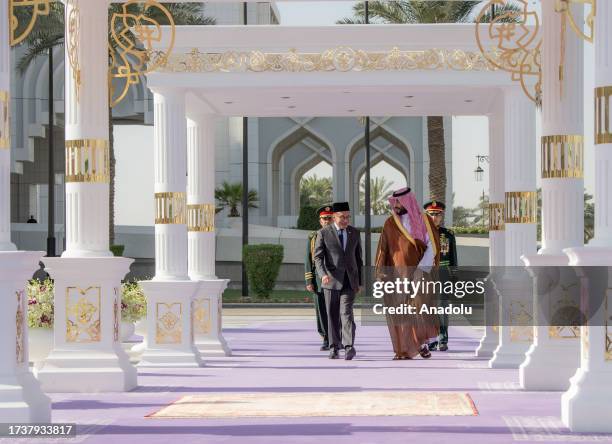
(566, 316)
(31, 10)
(170, 208)
(603, 125)
(563, 332)
(496, 217)
(201, 315)
(562, 156)
(169, 327)
(201, 217)
(20, 327)
(5, 124)
(521, 207)
(521, 322)
(87, 160)
(83, 314)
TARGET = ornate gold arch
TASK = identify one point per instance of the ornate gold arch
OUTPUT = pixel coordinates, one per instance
(20, 30)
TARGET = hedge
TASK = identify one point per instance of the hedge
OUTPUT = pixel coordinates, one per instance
(308, 219)
(262, 262)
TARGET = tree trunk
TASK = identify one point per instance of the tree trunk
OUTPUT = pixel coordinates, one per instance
(111, 188)
(437, 159)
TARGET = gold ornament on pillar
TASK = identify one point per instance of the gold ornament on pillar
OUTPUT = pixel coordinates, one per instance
(5, 126)
(201, 217)
(517, 44)
(134, 33)
(496, 217)
(23, 15)
(521, 207)
(562, 156)
(73, 31)
(564, 7)
(603, 131)
(83, 314)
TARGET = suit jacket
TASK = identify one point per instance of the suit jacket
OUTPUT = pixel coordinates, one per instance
(330, 259)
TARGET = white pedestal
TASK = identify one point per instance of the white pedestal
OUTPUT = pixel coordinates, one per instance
(87, 355)
(555, 354)
(490, 340)
(208, 318)
(21, 398)
(169, 341)
(585, 407)
(515, 331)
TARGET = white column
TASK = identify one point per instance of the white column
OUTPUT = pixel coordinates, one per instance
(170, 295)
(87, 355)
(207, 310)
(553, 357)
(21, 399)
(514, 285)
(490, 339)
(585, 407)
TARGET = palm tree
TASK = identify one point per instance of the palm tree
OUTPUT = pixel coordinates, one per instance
(229, 195)
(418, 11)
(315, 191)
(462, 216)
(481, 212)
(589, 217)
(380, 190)
(50, 33)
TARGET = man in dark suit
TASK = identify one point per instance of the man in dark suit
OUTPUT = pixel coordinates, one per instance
(339, 263)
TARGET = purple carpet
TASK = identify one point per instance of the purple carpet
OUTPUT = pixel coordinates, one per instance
(285, 357)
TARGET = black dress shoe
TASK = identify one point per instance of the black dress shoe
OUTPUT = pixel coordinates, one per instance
(333, 354)
(443, 347)
(325, 347)
(349, 353)
(433, 346)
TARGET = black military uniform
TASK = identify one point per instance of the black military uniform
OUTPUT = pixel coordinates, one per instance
(312, 278)
(448, 260)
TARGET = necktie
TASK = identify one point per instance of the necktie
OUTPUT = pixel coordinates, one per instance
(341, 236)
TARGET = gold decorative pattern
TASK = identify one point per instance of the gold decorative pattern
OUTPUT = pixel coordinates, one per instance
(562, 156)
(5, 123)
(33, 9)
(83, 314)
(202, 315)
(518, 44)
(496, 217)
(521, 207)
(201, 217)
(564, 7)
(131, 44)
(603, 127)
(170, 208)
(116, 315)
(73, 31)
(521, 323)
(608, 325)
(566, 316)
(342, 59)
(168, 323)
(20, 347)
(87, 160)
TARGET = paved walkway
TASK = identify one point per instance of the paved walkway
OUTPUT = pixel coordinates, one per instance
(280, 354)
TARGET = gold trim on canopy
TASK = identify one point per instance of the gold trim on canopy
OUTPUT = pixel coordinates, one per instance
(521, 207)
(496, 216)
(342, 59)
(519, 46)
(603, 130)
(87, 160)
(562, 156)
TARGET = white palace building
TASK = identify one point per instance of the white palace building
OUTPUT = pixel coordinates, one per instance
(503, 71)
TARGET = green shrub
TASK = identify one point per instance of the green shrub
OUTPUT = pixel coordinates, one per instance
(262, 264)
(308, 219)
(117, 250)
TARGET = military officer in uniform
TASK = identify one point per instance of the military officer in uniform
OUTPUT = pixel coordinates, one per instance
(448, 260)
(313, 281)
